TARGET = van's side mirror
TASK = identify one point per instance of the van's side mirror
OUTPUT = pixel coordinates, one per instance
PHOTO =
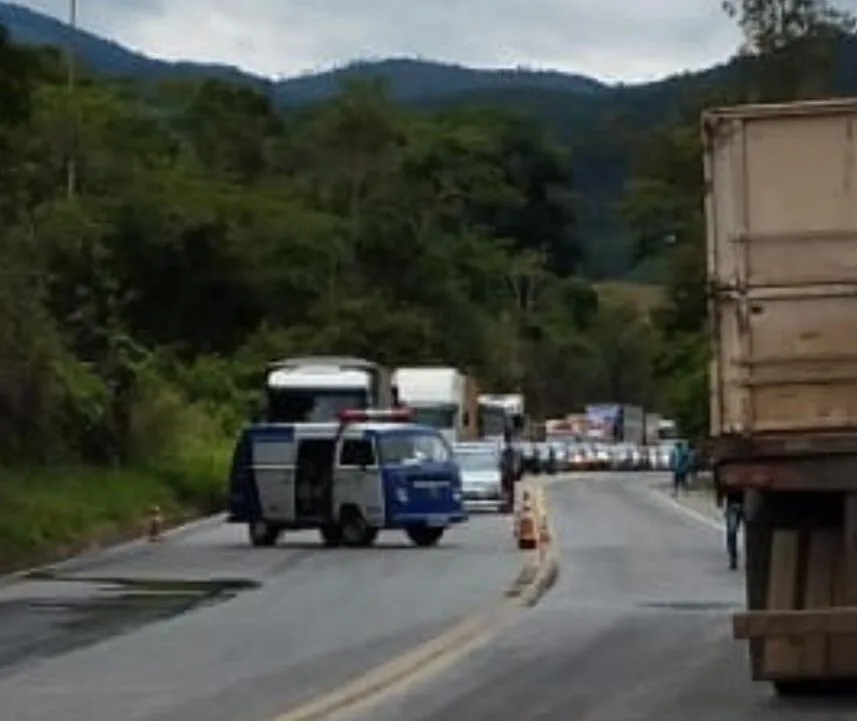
(466, 418)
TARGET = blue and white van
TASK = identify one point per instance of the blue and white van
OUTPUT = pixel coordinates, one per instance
(373, 470)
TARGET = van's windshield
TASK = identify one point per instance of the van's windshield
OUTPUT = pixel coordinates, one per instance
(413, 448)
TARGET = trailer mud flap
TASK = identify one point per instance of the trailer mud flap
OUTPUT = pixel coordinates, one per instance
(802, 599)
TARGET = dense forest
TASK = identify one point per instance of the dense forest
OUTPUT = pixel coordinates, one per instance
(593, 120)
(161, 241)
(161, 244)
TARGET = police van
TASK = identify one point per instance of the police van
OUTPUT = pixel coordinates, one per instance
(372, 470)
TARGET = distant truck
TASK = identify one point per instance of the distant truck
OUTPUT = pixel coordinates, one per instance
(614, 422)
(632, 426)
(499, 412)
(781, 210)
(440, 397)
(316, 389)
(667, 429)
(602, 421)
(652, 430)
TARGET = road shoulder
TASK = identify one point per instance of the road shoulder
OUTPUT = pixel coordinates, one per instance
(697, 502)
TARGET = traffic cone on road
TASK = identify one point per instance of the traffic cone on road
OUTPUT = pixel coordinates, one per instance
(527, 531)
(519, 500)
(156, 524)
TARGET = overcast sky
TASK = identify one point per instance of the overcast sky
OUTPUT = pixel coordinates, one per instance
(608, 39)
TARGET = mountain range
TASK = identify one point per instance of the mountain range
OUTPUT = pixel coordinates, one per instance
(436, 79)
(580, 110)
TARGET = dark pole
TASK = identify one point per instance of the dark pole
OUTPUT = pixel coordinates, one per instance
(71, 67)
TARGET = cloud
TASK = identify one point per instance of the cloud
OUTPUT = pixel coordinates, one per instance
(608, 39)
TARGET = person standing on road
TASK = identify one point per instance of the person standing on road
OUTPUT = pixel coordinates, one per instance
(680, 463)
(732, 502)
(509, 471)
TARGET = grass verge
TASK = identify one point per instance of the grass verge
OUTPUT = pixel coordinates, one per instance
(47, 514)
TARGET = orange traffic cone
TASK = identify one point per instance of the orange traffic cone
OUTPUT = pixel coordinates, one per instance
(527, 533)
(156, 524)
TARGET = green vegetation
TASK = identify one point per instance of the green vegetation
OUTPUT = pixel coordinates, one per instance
(791, 52)
(597, 122)
(205, 231)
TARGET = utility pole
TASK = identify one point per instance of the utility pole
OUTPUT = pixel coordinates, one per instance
(74, 119)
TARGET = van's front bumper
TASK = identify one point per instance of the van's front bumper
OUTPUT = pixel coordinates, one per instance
(438, 520)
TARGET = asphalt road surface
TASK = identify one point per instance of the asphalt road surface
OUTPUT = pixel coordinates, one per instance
(92, 646)
(636, 629)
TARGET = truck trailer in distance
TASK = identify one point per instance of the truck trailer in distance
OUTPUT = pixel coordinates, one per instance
(439, 397)
(499, 412)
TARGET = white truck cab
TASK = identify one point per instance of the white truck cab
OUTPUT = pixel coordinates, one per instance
(499, 412)
(437, 397)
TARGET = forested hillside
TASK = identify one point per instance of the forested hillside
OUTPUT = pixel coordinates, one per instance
(161, 241)
(204, 232)
(786, 57)
(599, 124)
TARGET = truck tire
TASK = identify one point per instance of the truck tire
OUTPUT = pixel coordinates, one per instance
(354, 530)
(331, 535)
(793, 689)
(262, 534)
(424, 536)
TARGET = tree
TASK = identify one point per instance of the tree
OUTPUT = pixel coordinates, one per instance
(794, 44)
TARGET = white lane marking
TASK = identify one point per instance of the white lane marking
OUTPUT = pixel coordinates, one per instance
(670, 502)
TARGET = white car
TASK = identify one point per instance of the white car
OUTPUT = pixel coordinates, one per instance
(481, 484)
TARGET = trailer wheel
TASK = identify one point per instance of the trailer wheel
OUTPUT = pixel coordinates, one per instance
(331, 535)
(355, 531)
(263, 534)
(792, 689)
(424, 536)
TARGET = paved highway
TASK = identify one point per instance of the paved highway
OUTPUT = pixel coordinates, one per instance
(317, 619)
(636, 629)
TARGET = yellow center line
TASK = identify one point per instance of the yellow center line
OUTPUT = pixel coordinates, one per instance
(433, 657)
(404, 671)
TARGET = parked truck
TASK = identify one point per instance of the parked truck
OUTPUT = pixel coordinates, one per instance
(438, 396)
(633, 425)
(316, 389)
(652, 428)
(781, 209)
(501, 412)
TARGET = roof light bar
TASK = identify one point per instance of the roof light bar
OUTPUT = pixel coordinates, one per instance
(359, 415)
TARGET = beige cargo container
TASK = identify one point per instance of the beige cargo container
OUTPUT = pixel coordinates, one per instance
(782, 261)
(781, 207)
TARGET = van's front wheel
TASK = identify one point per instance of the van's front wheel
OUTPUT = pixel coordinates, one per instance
(262, 534)
(424, 536)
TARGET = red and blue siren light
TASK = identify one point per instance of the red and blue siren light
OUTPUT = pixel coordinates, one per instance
(361, 415)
